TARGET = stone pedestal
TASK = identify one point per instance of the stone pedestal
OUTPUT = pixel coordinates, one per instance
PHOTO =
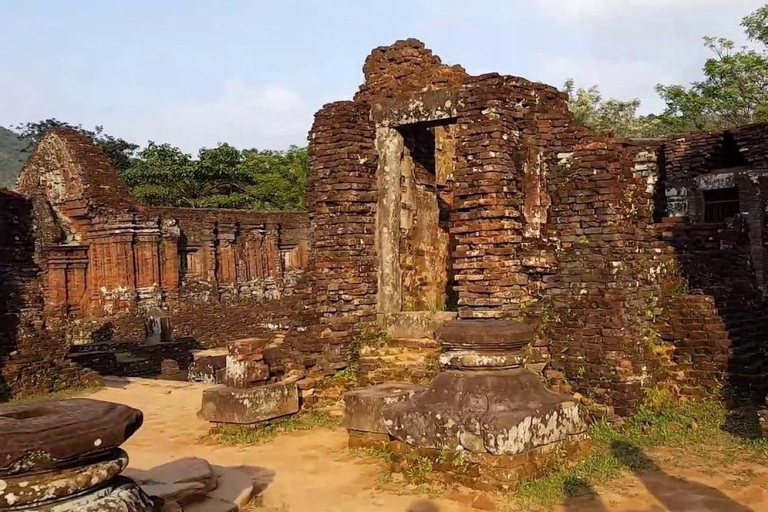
(484, 421)
(246, 397)
(64, 455)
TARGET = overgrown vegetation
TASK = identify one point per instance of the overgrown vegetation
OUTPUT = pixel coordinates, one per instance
(702, 428)
(262, 432)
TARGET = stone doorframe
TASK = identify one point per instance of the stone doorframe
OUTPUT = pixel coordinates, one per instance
(429, 107)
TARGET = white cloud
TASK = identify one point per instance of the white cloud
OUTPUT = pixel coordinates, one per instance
(610, 10)
(244, 115)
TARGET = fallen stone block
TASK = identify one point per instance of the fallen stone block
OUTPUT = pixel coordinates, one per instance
(208, 369)
(222, 404)
(184, 480)
(245, 374)
(363, 407)
(182, 493)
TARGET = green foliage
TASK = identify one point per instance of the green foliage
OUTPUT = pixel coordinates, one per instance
(221, 177)
(611, 115)
(263, 432)
(12, 157)
(345, 379)
(734, 90)
(704, 429)
(163, 175)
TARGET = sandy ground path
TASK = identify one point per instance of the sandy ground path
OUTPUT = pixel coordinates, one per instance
(308, 471)
(313, 471)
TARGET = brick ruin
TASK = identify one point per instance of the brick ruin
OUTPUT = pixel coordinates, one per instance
(432, 194)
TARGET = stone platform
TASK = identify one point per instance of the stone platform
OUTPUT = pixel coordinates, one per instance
(222, 404)
(484, 421)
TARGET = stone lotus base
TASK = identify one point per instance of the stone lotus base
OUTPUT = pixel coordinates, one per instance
(483, 429)
(497, 412)
(121, 495)
(64, 455)
(222, 404)
(49, 486)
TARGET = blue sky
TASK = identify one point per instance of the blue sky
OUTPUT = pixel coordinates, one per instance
(252, 73)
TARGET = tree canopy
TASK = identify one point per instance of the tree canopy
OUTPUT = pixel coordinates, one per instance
(733, 92)
(220, 177)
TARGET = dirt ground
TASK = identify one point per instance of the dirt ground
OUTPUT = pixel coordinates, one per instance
(312, 471)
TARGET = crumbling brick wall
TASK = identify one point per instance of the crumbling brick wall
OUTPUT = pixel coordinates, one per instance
(32, 359)
(716, 314)
(341, 199)
(108, 259)
(543, 212)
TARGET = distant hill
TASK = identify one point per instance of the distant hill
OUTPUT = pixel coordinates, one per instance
(12, 157)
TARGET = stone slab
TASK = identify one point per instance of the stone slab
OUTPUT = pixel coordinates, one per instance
(502, 412)
(181, 493)
(209, 369)
(473, 360)
(487, 335)
(222, 404)
(363, 407)
(39, 436)
(188, 469)
(245, 374)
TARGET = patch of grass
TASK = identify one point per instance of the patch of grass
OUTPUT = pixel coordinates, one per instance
(263, 432)
(417, 469)
(379, 453)
(703, 428)
(61, 394)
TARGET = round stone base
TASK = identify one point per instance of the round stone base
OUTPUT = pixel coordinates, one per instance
(121, 495)
(49, 486)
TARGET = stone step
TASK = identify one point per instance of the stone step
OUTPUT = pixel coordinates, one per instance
(415, 324)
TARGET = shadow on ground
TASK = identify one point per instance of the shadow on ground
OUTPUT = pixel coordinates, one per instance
(673, 493)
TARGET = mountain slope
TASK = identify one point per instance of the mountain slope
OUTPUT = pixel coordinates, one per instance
(12, 157)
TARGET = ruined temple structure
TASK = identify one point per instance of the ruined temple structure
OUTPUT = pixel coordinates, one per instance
(434, 196)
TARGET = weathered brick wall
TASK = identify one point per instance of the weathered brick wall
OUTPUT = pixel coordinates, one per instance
(716, 315)
(341, 199)
(108, 259)
(32, 359)
(402, 68)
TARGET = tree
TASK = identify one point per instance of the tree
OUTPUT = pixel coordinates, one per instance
(611, 115)
(221, 177)
(278, 178)
(734, 90)
(119, 151)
